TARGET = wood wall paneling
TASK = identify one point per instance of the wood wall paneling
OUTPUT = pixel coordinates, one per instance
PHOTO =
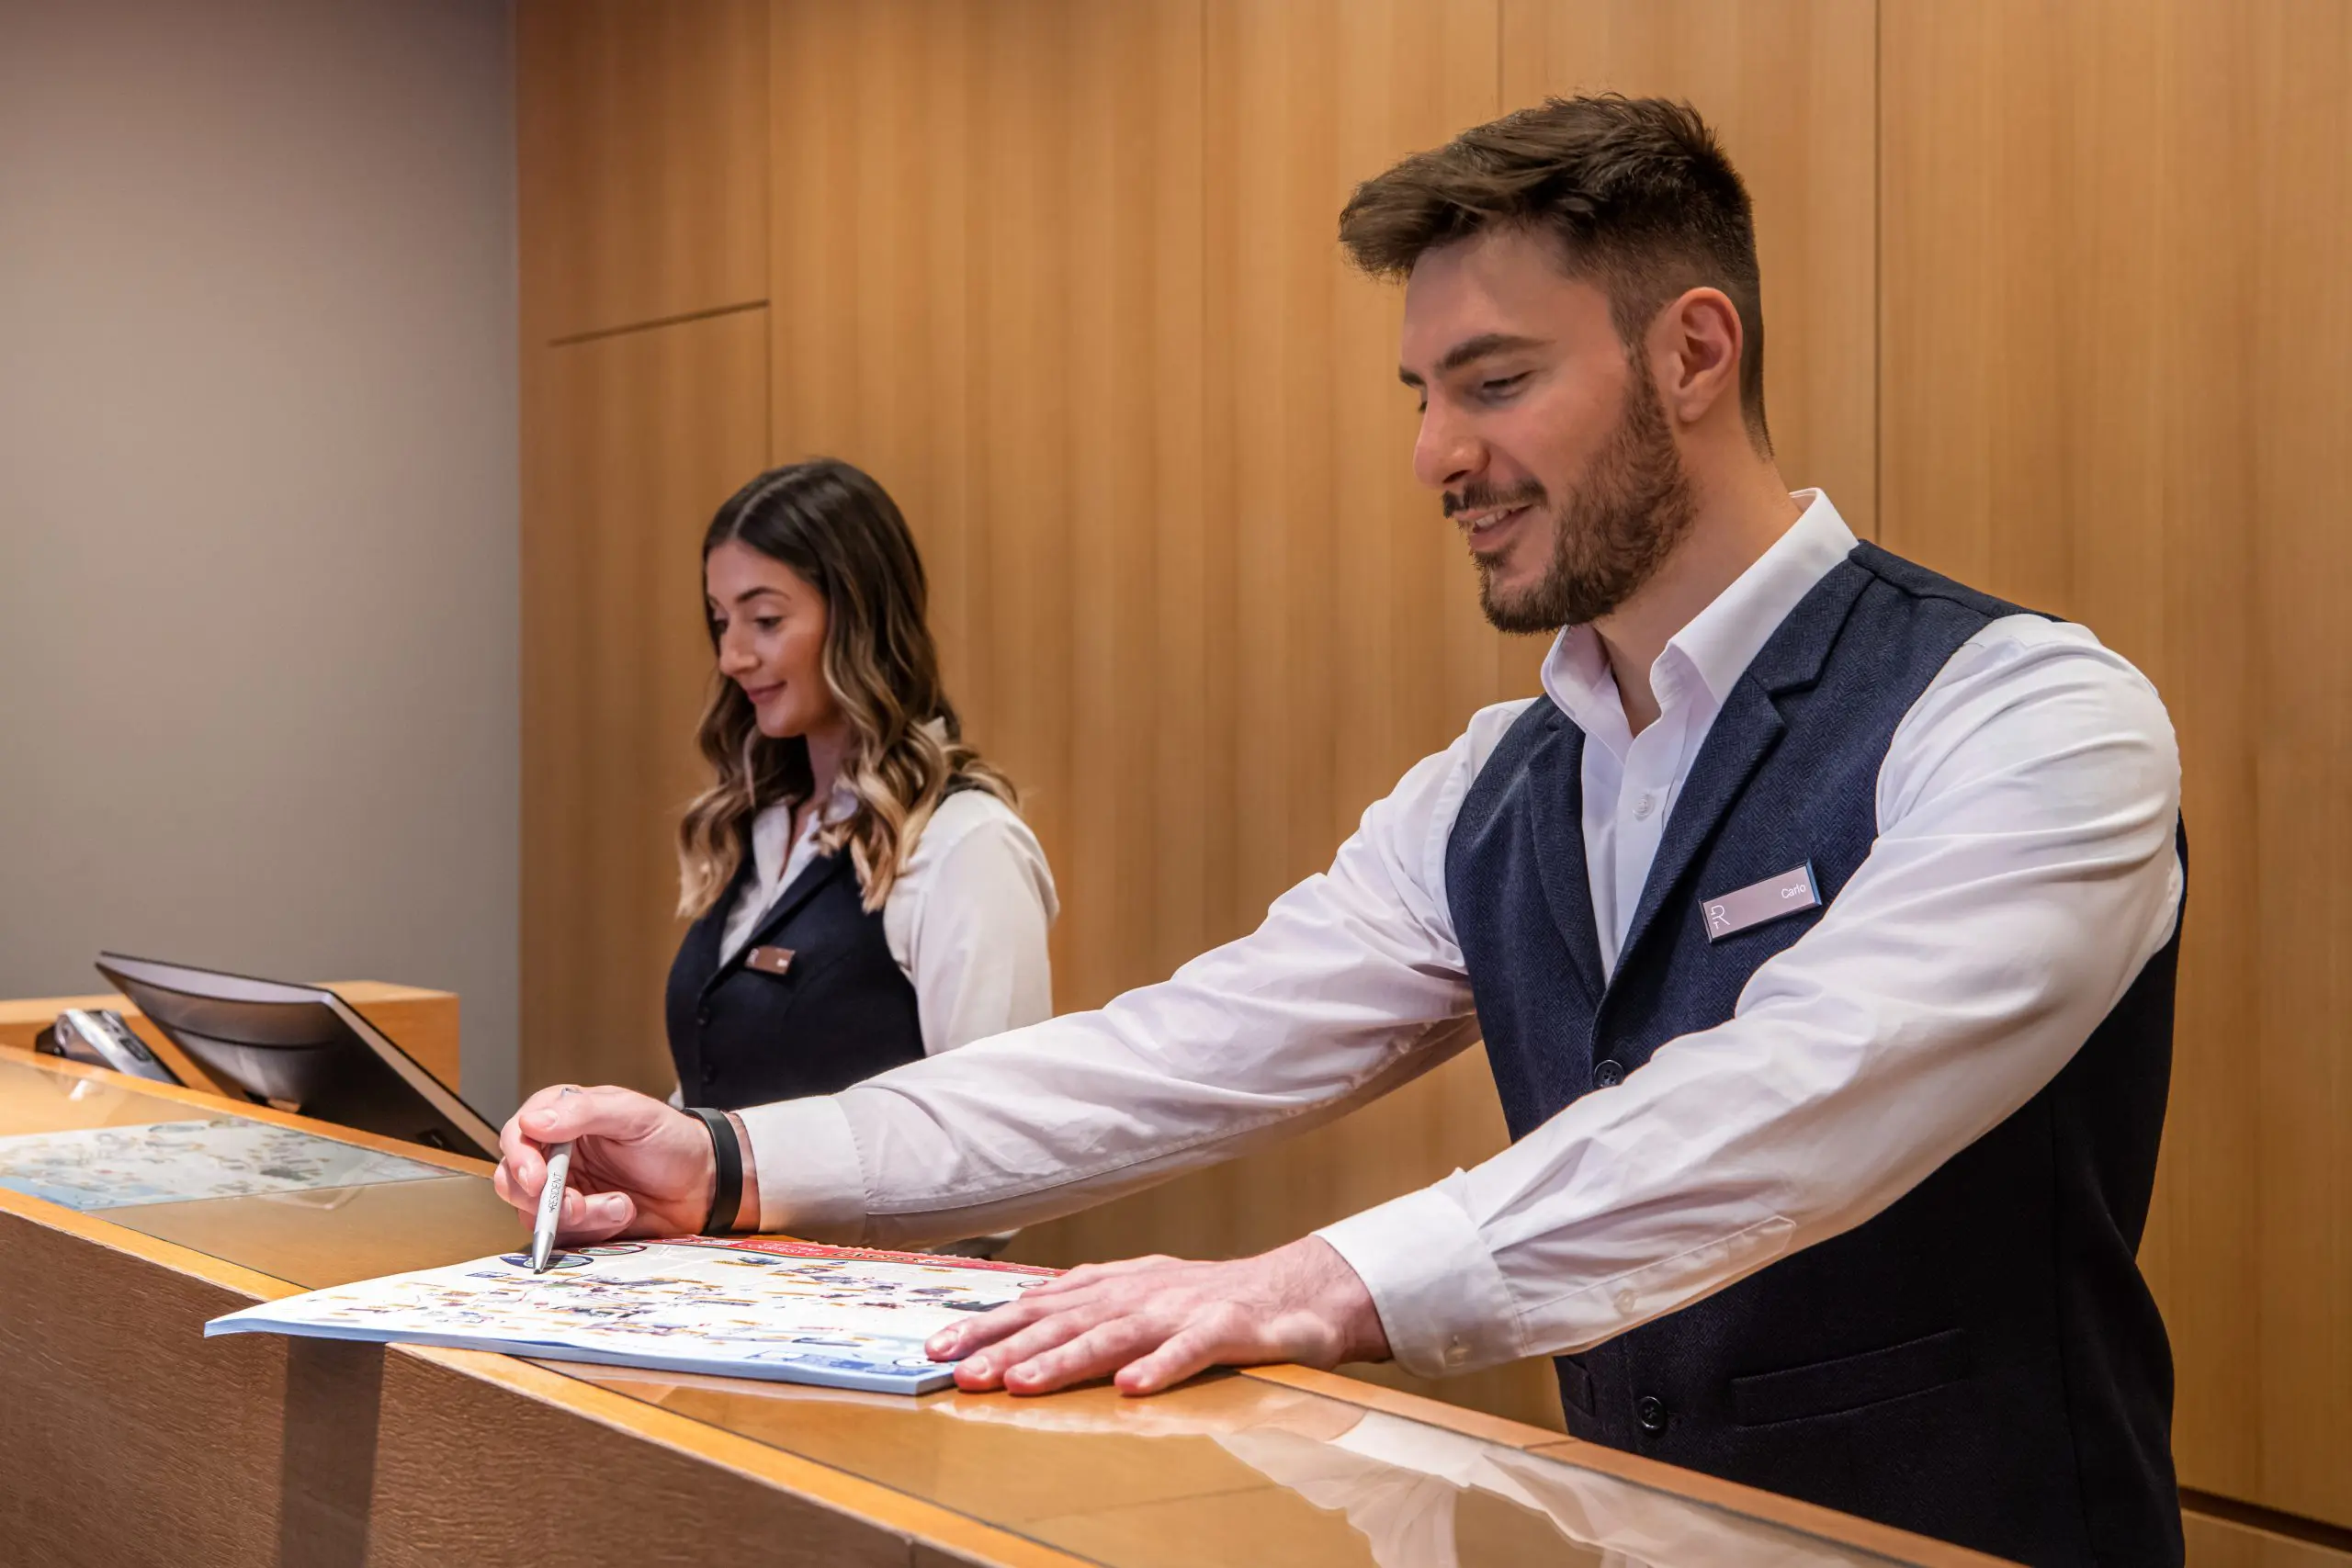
(1791, 87)
(1082, 308)
(2114, 333)
(1063, 277)
(643, 143)
(631, 444)
(2224, 1543)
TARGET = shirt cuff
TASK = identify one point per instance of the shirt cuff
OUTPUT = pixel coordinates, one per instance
(812, 1184)
(1441, 1297)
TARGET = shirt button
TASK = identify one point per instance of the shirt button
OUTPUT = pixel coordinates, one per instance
(1626, 1302)
(1641, 806)
(1650, 1411)
(1608, 1073)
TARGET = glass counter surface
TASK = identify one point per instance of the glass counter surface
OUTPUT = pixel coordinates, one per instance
(1228, 1467)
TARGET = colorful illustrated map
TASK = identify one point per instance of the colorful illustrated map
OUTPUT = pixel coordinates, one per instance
(784, 1311)
(176, 1162)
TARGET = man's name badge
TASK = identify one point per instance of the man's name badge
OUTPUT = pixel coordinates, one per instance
(769, 960)
(1786, 894)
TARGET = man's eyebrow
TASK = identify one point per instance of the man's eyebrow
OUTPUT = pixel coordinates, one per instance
(1471, 348)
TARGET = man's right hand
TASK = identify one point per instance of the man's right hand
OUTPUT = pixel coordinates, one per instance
(639, 1167)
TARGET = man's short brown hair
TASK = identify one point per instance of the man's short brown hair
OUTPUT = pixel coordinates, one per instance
(1636, 191)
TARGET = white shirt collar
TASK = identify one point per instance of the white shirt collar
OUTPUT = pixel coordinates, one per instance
(772, 850)
(1716, 646)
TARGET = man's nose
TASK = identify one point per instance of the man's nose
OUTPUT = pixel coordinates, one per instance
(1444, 454)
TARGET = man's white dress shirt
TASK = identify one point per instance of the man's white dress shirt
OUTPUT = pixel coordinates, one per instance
(2023, 873)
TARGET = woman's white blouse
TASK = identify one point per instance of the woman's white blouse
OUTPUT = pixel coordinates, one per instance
(967, 920)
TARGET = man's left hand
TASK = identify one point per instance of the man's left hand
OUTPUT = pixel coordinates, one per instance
(1154, 1322)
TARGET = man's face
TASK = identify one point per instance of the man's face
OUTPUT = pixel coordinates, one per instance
(1546, 439)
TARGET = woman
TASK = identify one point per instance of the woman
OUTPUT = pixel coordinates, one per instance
(862, 888)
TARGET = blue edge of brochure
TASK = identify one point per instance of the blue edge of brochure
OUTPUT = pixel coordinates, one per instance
(824, 1371)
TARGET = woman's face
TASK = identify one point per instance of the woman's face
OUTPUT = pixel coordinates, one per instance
(770, 627)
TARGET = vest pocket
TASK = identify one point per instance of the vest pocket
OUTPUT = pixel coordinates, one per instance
(1576, 1383)
(1849, 1383)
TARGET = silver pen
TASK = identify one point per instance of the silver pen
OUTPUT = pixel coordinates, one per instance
(550, 1205)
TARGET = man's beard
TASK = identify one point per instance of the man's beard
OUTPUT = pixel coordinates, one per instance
(1616, 529)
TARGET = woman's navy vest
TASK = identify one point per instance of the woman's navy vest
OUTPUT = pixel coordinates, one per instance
(841, 1011)
(1981, 1361)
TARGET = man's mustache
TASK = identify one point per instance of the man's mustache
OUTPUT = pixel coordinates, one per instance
(1476, 497)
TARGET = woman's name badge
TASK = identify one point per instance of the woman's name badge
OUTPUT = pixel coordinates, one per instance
(1786, 894)
(768, 960)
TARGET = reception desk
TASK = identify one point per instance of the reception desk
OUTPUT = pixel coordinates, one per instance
(130, 1438)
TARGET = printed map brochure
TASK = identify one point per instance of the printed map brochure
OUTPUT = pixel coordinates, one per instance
(750, 1306)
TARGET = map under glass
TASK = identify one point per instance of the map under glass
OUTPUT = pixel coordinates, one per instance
(176, 1162)
(786, 1310)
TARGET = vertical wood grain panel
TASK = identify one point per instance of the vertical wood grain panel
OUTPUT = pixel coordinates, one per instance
(1065, 277)
(1337, 636)
(643, 142)
(631, 444)
(2298, 99)
(2114, 333)
(1790, 86)
(871, 259)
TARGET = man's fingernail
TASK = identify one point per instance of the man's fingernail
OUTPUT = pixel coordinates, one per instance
(979, 1365)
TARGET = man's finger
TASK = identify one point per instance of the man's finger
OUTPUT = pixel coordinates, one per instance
(986, 1370)
(539, 1102)
(608, 1111)
(1189, 1350)
(503, 1182)
(524, 1164)
(588, 1218)
(1097, 1353)
(963, 1339)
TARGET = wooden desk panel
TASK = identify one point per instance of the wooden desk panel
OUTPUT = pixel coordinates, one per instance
(133, 1440)
(234, 1449)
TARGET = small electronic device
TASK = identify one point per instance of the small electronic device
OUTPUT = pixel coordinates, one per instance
(99, 1037)
(301, 1048)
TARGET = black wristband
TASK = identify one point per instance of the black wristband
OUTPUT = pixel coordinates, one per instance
(727, 1199)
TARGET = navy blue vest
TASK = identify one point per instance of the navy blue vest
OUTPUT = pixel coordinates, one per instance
(841, 1012)
(1981, 1361)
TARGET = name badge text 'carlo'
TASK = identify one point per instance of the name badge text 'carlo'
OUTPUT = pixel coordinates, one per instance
(1786, 894)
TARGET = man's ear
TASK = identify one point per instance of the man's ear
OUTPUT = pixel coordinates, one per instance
(1695, 345)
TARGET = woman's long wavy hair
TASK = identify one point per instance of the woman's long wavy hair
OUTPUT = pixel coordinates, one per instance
(842, 533)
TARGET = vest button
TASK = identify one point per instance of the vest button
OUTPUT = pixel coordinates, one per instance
(702, 1015)
(1607, 1074)
(1650, 1411)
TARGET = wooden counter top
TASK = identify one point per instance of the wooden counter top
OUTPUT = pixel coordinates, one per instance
(134, 1438)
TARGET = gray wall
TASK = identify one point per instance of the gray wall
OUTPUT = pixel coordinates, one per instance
(258, 532)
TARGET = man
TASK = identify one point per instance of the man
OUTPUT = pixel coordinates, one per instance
(1820, 921)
